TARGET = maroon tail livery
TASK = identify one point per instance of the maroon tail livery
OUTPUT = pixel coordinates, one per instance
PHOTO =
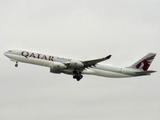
(144, 63)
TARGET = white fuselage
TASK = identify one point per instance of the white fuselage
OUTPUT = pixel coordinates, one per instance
(48, 60)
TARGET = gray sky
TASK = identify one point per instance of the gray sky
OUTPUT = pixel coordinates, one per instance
(85, 29)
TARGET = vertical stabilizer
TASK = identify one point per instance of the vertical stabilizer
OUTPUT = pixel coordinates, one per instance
(144, 63)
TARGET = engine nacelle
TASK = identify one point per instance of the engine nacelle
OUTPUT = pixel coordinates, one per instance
(76, 64)
(57, 67)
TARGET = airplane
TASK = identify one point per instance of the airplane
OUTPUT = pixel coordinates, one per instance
(77, 68)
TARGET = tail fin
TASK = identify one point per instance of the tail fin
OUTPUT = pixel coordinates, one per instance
(144, 63)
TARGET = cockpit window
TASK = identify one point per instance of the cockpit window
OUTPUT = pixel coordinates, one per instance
(10, 51)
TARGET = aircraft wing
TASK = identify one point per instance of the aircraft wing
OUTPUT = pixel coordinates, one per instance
(90, 63)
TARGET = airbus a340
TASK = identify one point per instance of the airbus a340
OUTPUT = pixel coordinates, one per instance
(78, 67)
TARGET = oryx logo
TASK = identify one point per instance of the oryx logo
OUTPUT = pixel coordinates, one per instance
(145, 63)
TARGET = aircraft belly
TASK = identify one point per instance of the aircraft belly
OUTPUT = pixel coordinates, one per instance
(110, 74)
(38, 62)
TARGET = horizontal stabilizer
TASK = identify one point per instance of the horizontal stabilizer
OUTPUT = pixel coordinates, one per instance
(145, 72)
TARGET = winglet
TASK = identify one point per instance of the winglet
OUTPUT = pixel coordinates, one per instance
(108, 57)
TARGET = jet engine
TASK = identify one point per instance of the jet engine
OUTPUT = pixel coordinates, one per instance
(57, 67)
(76, 64)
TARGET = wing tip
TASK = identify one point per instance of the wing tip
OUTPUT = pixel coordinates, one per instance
(108, 57)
